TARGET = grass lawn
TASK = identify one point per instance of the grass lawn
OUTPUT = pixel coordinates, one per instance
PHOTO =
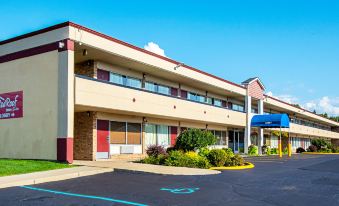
(13, 166)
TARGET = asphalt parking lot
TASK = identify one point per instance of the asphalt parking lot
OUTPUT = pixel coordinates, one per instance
(301, 180)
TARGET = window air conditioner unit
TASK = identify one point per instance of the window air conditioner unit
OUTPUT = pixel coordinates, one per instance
(126, 149)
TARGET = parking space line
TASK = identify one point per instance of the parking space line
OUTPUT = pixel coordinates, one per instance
(84, 196)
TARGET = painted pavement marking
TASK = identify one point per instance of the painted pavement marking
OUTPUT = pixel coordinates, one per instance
(180, 190)
(84, 196)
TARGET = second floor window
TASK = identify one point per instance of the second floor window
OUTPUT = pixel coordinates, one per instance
(124, 80)
(217, 102)
(150, 86)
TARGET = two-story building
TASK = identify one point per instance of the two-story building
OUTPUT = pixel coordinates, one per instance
(68, 92)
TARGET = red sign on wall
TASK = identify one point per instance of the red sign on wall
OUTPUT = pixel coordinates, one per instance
(11, 105)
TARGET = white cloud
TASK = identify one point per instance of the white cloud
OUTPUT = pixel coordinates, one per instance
(155, 48)
(284, 97)
(325, 104)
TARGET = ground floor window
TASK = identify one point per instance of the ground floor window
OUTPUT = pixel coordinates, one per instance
(221, 137)
(274, 142)
(125, 133)
(157, 135)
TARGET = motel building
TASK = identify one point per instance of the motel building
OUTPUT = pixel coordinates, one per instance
(68, 92)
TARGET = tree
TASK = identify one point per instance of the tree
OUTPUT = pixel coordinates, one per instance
(193, 139)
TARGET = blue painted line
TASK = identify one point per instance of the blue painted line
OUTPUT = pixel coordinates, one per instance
(180, 190)
(84, 196)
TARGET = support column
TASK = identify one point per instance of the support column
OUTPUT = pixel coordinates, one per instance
(260, 130)
(66, 101)
(248, 110)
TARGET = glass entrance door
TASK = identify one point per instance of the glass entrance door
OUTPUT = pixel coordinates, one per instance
(236, 141)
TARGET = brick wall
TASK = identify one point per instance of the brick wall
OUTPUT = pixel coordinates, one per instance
(85, 136)
(255, 90)
(87, 68)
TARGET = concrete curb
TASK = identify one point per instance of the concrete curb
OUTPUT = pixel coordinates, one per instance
(148, 168)
(50, 176)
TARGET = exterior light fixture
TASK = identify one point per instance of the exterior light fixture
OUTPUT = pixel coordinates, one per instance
(84, 52)
(177, 66)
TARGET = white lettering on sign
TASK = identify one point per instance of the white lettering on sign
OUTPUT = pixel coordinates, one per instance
(11, 105)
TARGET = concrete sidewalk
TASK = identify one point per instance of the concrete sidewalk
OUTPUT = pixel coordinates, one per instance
(148, 168)
(50, 176)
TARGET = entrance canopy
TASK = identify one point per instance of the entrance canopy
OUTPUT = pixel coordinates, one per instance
(271, 121)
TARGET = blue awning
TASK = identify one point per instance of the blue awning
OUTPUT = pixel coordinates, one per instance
(270, 121)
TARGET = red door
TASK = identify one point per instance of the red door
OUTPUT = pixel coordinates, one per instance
(102, 139)
(174, 134)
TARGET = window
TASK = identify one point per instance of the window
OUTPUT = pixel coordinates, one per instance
(132, 82)
(118, 133)
(274, 142)
(150, 134)
(125, 133)
(116, 78)
(133, 133)
(192, 96)
(163, 90)
(208, 100)
(157, 135)
(157, 88)
(221, 137)
(237, 107)
(150, 86)
(217, 102)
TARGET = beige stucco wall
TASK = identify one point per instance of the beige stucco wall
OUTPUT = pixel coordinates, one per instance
(116, 98)
(310, 131)
(34, 135)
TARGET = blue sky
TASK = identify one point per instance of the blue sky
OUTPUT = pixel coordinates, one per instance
(292, 45)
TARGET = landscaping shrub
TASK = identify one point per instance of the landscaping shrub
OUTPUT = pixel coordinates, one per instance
(300, 150)
(217, 157)
(253, 150)
(264, 149)
(274, 151)
(155, 160)
(237, 160)
(154, 151)
(193, 139)
(229, 152)
(204, 152)
(320, 143)
(335, 149)
(190, 159)
(312, 148)
(268, 150)
(325, 150)
(169, 149)
(285, 150)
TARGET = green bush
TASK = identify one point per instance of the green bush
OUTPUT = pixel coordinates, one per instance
(190, 159)
(237, 160)
(285, 151)
(274, 151)
(193, 139)
(268, 150)
(325, 150)
(229, 151)
(204, 152)
(217, 157)
(155, 160)
(253, 150)
(335, 149)
(320, 143)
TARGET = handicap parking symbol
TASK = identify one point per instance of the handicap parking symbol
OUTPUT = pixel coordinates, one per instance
(180, 190)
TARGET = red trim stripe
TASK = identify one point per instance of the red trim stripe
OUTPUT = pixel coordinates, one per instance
(68, 45)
